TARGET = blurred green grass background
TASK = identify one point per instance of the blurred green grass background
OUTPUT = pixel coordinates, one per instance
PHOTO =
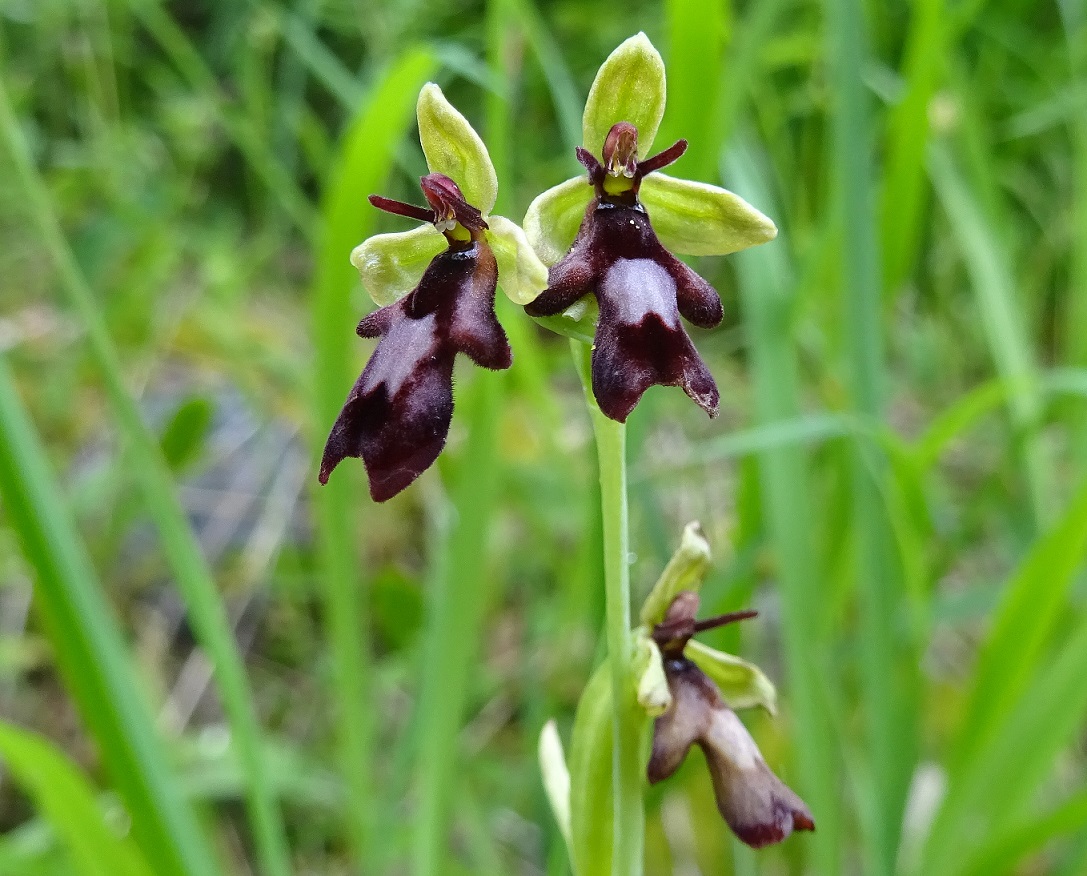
(210, 666)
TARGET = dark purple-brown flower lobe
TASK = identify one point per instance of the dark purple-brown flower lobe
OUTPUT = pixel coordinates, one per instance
(397, 415)
(755, 803)
(641, 288)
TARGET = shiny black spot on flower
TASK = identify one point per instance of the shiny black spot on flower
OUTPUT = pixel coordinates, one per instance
(641, 288)
(757, 805)
(398, 412)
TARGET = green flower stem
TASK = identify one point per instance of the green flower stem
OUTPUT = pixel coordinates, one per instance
(629, 722)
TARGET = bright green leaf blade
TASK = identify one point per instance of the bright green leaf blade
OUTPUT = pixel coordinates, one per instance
(365, 157)
(1032, 606)
(521, 274)
(693, 218)
(391, 265)
(452, 147)
(64, 796)
(160, 496)
(629, 87)
(89, 648)
(742, 684)
(553, 218)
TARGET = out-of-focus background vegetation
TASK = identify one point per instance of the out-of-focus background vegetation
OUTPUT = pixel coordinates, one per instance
(227, 670)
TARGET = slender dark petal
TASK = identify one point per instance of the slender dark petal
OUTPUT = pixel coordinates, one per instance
(402, 209)
(595, 168)
(662, 159)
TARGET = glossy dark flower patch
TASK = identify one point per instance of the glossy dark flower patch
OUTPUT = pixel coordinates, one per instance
(398, 412)
(641, 288)
(757, 805)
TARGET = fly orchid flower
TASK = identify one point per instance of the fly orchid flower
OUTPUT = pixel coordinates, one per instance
(755, 803)
(435, 287)
(622, 258)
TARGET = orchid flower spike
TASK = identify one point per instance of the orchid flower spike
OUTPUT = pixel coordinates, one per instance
(436, 287)
(622, 258)
(757, 805)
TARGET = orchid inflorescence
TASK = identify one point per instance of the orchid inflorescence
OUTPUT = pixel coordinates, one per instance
(597, 256)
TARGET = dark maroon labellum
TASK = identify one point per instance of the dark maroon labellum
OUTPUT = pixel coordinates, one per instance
(758, 806)
(398, 412)
(641, 288)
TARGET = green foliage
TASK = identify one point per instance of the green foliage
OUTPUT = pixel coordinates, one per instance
(273, 679)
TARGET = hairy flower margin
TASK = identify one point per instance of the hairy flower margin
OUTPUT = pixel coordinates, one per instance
(435, 287)
(625, 222)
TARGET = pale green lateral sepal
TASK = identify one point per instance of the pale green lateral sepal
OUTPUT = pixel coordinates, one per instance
(392, 264)
(743, 685)
(553, 218)
(521, 274)
(452, 147)
(693, 218)
(629, 87)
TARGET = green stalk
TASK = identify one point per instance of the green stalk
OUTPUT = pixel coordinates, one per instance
(183, 552)
(628, 720)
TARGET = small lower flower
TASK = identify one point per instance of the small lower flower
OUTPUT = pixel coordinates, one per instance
(755, 803)
(398, 412)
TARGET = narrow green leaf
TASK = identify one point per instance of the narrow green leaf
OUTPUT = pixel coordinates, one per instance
(90, 650)
(364, 161)
(66, 799)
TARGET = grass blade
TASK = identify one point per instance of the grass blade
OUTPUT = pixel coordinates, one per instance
(886, 667)
(365, 159)
(766, 302)
(64, 796)
(90, 651)
(1009, 347)
(152, 476)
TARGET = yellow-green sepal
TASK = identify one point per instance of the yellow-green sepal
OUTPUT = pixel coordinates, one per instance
(629, 87)
(453, 147)
(521, 274)
(392, 264)
(693, 218)
(743, 685)
(685, 571)
(554, 217)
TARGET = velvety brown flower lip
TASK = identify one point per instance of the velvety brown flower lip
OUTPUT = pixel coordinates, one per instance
(755, 803)
(397, 415)
(641, 288)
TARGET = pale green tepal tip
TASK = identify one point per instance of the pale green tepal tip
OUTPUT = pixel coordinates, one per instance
(629, 87)
(684, 571)
(453, 147)
(653, 693)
